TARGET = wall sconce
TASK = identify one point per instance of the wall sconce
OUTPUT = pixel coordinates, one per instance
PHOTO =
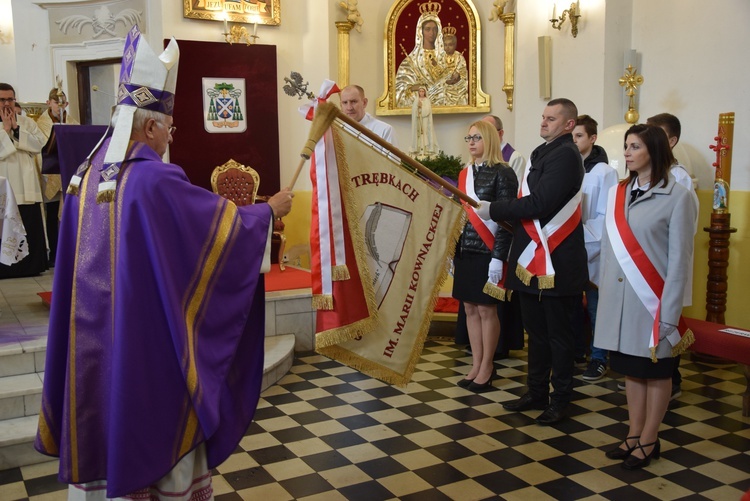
(237, 34)
(573, 12)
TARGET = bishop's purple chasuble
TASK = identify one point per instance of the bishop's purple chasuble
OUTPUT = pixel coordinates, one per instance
(156, 329)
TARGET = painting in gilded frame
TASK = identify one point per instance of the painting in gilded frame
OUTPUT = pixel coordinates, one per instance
(435, 45)
(238, 11)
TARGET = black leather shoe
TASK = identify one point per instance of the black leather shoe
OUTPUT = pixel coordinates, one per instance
(551, 415)
(525, 403)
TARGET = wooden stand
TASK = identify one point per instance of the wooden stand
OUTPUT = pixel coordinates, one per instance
(718, 261)
(716, 287)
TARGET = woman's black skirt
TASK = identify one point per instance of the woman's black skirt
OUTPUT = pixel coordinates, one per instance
(641, 367)
(469, 277)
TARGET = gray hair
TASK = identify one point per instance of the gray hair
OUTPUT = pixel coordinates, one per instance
(140, 117)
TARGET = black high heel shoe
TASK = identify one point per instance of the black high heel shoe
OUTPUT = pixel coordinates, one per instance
(620, 453)
(464, 383)
(480, 387)
(635, 463)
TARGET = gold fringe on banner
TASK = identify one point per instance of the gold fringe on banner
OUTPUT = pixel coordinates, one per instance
(322, 301)
(340, 272)
(333, 337)
(72, 189)
(495, 291)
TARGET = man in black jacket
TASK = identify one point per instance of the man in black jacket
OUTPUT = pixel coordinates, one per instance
(549, 259)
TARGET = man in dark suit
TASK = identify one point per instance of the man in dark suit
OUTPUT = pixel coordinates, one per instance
(549, 259)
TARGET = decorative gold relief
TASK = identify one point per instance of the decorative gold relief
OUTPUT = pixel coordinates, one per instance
(236, 11)
(435, 45)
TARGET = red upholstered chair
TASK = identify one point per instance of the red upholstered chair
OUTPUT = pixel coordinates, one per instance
(239, 183)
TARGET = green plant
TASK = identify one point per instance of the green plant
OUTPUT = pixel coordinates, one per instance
(443, 165)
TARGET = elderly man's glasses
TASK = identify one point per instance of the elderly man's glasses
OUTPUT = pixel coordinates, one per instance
(170, 128)
(475, 138)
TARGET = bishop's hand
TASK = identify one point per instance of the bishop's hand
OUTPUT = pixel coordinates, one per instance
(281, 203)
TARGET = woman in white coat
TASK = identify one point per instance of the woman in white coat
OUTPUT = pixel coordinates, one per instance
(646, 252)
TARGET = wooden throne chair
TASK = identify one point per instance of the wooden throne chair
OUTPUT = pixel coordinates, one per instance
(239, 183)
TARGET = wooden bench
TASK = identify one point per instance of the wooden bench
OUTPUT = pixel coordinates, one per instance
(710, 340)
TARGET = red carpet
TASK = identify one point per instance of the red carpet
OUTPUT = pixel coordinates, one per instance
(290, 278)
(276, 280)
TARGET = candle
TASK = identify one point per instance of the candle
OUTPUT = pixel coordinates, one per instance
(255, 28)
(554, 10)
(226, 27)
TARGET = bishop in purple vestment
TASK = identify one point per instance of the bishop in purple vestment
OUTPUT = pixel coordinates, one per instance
(157, 323)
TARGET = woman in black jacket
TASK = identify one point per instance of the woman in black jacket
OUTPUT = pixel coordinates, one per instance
(481, 252)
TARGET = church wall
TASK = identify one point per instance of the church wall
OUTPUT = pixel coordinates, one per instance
(692, 73)
(33, 75)
(7, 47)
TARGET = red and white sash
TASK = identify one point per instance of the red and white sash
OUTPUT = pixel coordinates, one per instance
(485, 229)
(641, 273)
(327, 232)
(536, 258)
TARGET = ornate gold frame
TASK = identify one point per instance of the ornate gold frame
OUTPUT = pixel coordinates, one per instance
(479, 102)
(196, 9)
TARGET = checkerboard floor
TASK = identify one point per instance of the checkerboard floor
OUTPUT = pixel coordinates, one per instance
(328, 432)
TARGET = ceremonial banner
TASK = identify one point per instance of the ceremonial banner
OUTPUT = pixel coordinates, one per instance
(400, 235)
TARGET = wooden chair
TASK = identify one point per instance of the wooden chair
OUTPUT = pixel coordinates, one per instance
(239, 183)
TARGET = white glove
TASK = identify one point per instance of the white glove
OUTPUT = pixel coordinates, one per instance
(483, 211)
(665, 330)
(495, 271)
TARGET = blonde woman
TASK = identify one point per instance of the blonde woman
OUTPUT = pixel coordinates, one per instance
(482, 250)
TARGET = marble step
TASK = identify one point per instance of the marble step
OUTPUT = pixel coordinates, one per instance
(20, 395)
(17, 434)
(16, 359)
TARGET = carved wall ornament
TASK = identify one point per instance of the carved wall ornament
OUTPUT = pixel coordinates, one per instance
(102, 22)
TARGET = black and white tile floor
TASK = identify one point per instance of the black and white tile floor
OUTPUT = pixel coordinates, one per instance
(328, 432)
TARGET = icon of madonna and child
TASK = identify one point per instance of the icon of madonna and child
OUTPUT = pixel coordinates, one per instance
(433, 64)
